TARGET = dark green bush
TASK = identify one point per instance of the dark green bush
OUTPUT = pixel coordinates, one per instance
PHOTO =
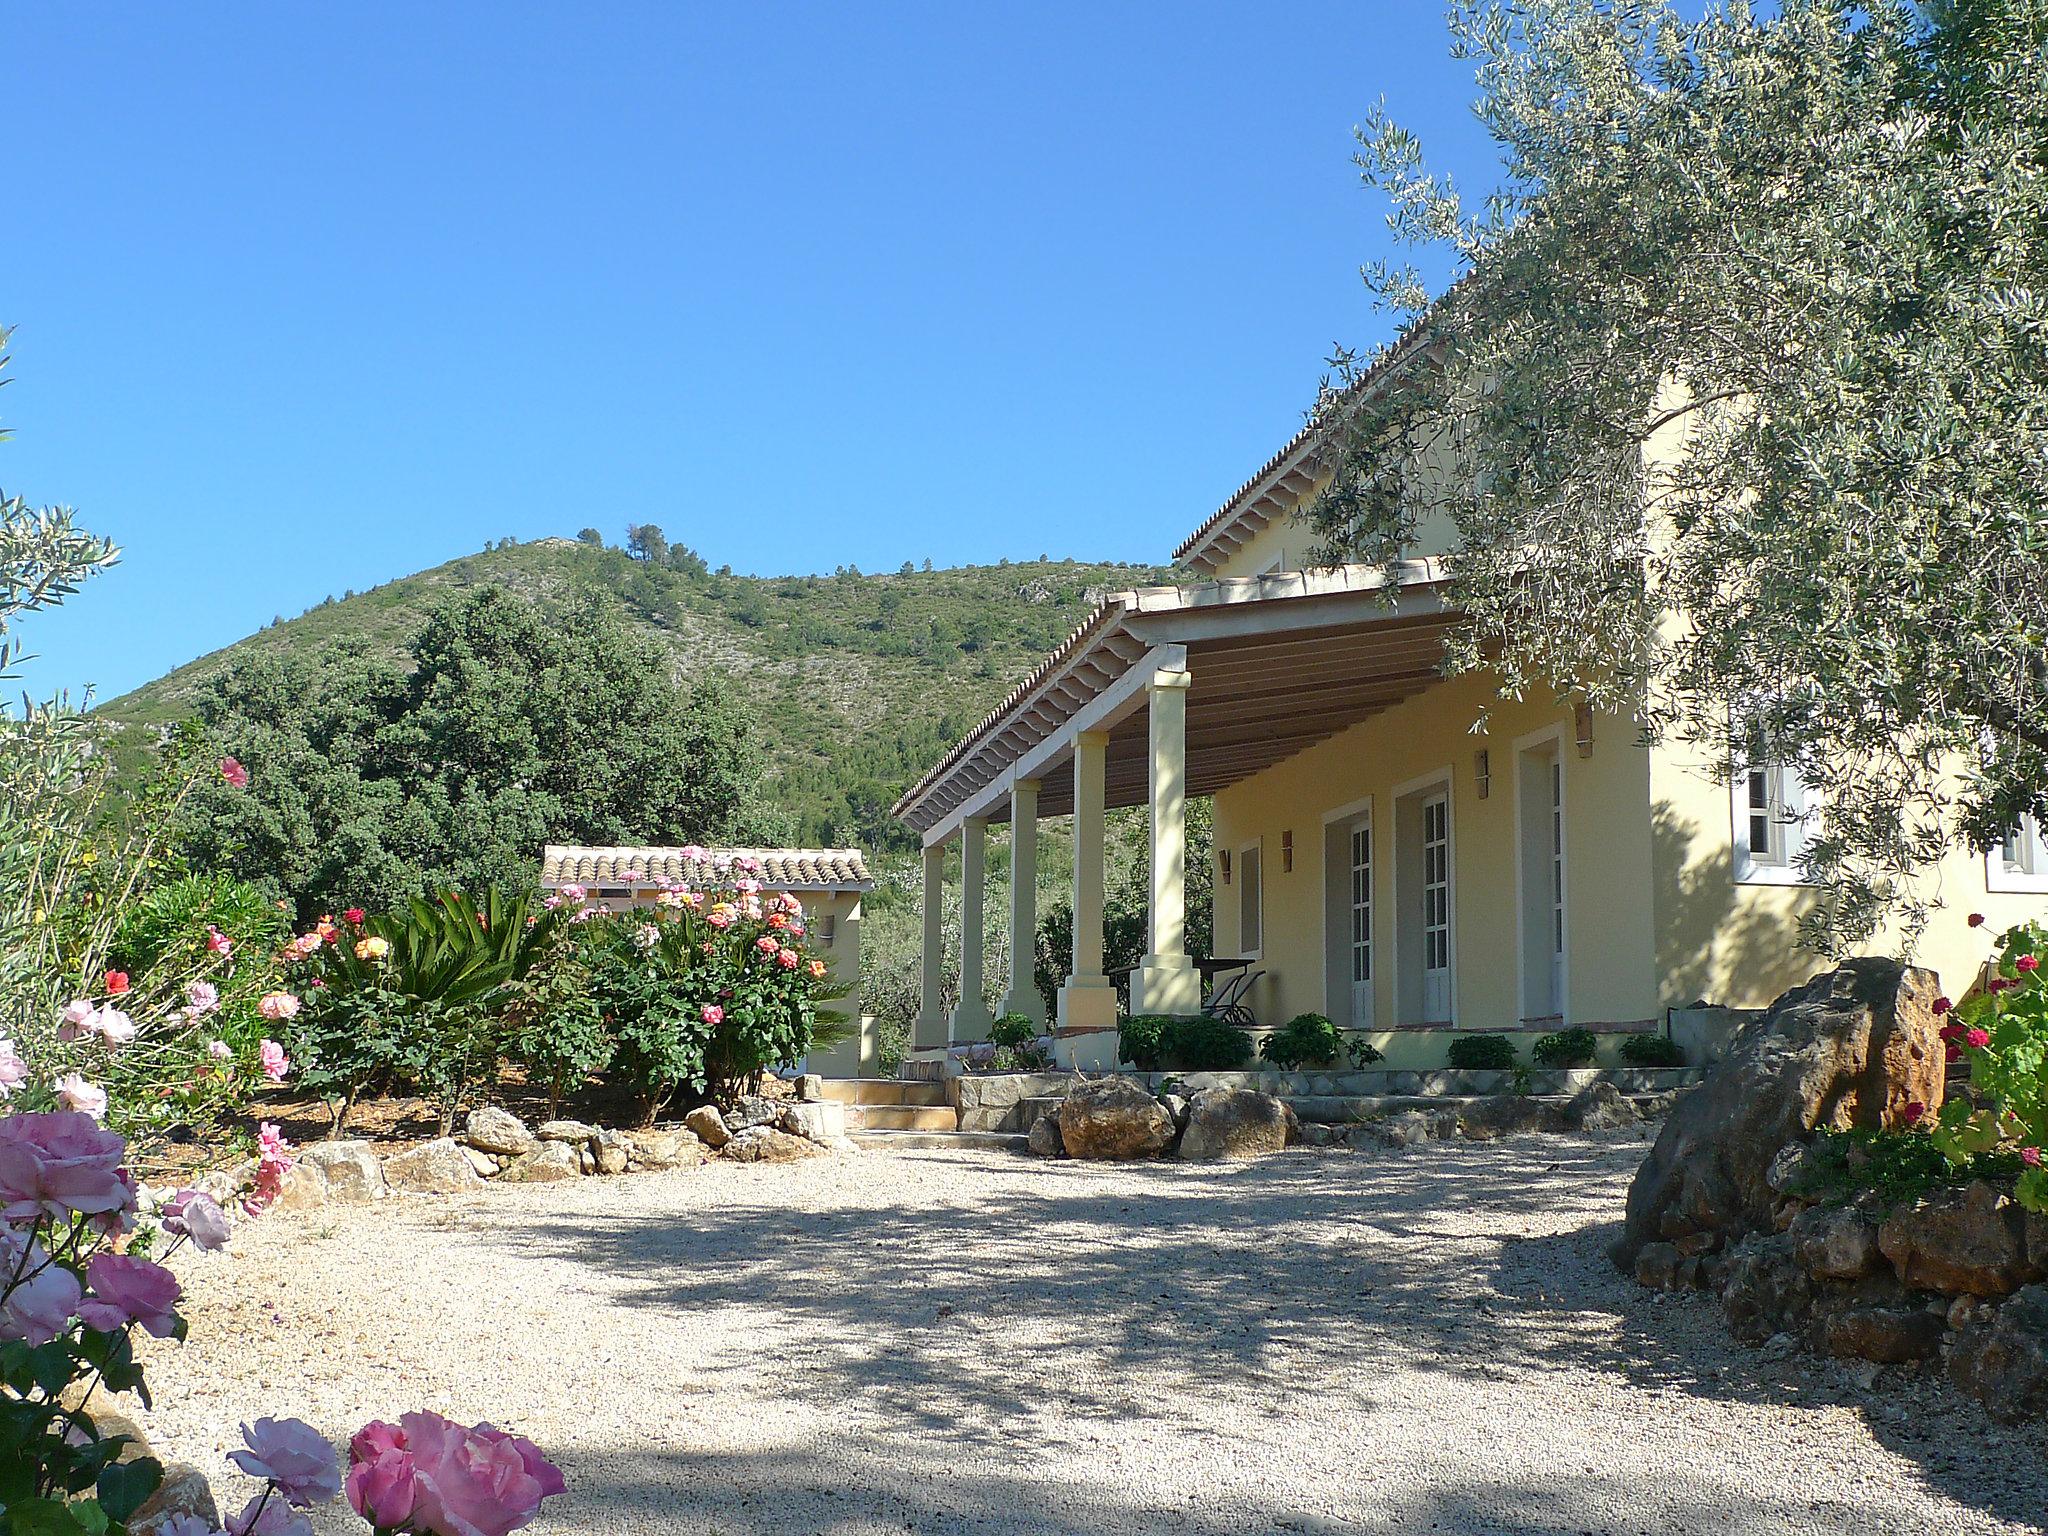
(1306, 1040)
(1898, 1166)
(1198, 1043)
(1363, 1052)
(1141, 1040)
(1565, 1048)
(1013, 1029)
(1483, 1053)
(1651, 1051)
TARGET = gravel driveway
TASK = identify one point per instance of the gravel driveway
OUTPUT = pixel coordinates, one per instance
(956, 1342)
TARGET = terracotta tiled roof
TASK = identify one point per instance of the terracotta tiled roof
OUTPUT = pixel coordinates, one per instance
(782, 869)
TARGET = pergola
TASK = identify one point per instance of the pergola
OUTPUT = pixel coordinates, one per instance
(1161, 693)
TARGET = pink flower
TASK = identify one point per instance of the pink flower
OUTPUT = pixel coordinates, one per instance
(1912, 1112)
(278, 1006)
(74, 1092)
(574, 892)
(766, 945)
(60, 1165)
(129, 1290)
(2031, 1156)
(13, 1070)
(354, 917)
(694, 853)
(73, 1022)
(273, 1059)
(474, 1482)
(234, 773)
(383, 1488)
(113, 1026)
(787, 959)
(195, 1214)
(713, 1014)
(117, 983)
(219, 1050)
(203, 996)
(266, 1515)
(218, 943)
(270, 1142)
(1942, 1005)
(1977, 1039)
(2027, 963)
(41, 1306)
(294, 1456)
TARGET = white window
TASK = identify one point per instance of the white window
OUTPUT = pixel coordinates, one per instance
(1436, 908)
(1250, 903)
(2020, 863)
(1770, 806)
(1361, 922)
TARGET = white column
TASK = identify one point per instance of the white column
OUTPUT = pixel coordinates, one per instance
(1023, 994)
(971, 1017)
(1167, 982)
(1087, 1003)
(930, 1033)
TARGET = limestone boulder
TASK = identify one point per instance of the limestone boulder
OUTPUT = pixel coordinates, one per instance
(666, 1148)
(821, 1121)
(1043, 1140)
(708, 1126)
(1767, 1292)
(610, 1153)
(1602, 1107)
(550, 1162)
(439, 1167)
(751, 1110)
(1834, 1243)
(2002, 1361)
(1407, 1128)
(1851, 1048)
(575, 1132)
(497, 1131)
(810, 1087)
(1233, 1123)
(304, 1188)
(185, 1494)
(1509, 1114)
(354, 1175)
(765, 1144)
(1114, 1119)
(1970, 1241)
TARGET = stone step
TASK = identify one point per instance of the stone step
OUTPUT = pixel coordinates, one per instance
(939, 1141)
(906, 1117)
(883, 1090)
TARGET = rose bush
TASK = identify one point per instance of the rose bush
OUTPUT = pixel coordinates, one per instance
(2002, 1032)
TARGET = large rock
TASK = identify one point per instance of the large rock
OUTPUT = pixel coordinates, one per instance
(1602, 1107)
(765, 1144)
(1834, 1243)
(611, 1154)
(666, 1148)
(1508, 1114)
(1850, 1048)
(1767, 1292)
(1043, 1140)
(1113, 1118)
(1409, 1128)
(576, 1132)
(304, 1188)
(708, 1126)
(550, 1162)
(1231, 1122)
(184, 1492)
(491, 1129)
(438, 1167)
(2003, 1363)
(1890, 1335)
(820, 1121)
(1969, 1241)
(354, 1176)
(750, 1110)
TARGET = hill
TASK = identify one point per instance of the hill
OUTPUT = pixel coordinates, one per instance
(863, 680)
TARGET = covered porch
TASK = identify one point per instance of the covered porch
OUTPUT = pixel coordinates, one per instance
(1162, 693)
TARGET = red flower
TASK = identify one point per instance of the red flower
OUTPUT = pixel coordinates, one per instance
(1912, 1112)
(1942, 1005)
(117, 983)
(1977, 1039)
(355, 916)
(1997, 984)
(2027, 963)
(234, 773)
(1951, 1032)
(2031, 1156)
(1955, 1053)
(1976, 919)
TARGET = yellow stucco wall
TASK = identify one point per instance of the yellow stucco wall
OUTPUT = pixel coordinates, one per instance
(1610, 936)
(1285, 544)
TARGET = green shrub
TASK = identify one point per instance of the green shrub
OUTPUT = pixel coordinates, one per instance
(1483, 1053)
(1306, 1040)
(1141, 1040)
(1651, 1051)
(2002, 1032)
(1898, 1166)
(1196, 1043)
(559, 1033)
(1014, 1030)
(1363, 1052)
(1565, 1048)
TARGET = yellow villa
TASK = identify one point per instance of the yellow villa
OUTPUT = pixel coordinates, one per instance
(1377, 860)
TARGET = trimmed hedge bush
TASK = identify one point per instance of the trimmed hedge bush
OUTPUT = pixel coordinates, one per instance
(1198, 1043)
(1566, 1048)
(1483, 1053)
(1651, 1051)
(1306, 1040)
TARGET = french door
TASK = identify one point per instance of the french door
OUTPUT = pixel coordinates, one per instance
(1361, 923)
(1436, 908)
(1556, 886)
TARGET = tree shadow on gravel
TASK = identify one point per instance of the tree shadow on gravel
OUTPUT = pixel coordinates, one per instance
(1056, 1300)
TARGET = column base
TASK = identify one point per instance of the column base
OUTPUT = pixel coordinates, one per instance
(1087, 1002)
(1166, 984)
(1028, 1003)
(971, 1023)
(1090, 1050)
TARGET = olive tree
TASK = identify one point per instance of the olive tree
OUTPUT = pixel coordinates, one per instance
(1738, 411)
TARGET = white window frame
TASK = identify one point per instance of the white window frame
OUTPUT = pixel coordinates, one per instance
(1257, 849)
(1440, 778)
(2027, 877)
(1337, 828)
(1790, 806)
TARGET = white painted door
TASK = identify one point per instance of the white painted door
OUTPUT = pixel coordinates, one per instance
(1556, 887)
(1361, 923)
(1436, 908)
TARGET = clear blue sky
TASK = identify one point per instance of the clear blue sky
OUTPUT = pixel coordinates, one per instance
(309, 297)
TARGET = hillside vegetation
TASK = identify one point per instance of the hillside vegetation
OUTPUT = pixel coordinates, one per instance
(860, 681)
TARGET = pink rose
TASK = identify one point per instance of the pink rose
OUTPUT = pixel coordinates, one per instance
(219, 1050)
(766, 945)
(713, 1014)
(113, 1026)
(278, 1006)
(204, 996)
(273, 1059)
(218, 943)
(75, 1093)
(2031, 1156)
(787, 959)
(294, 1456)
(77, 1015)
(13, 1070)
(129, 1290)
(60, 1165)
(40, 1307)
(193, 1213)
(2027, 963)
(234, 773)
(474, 1482)
(1977, 1039)
(384, 1488)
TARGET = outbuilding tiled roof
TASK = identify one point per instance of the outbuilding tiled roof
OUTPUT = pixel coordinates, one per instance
(782, 869)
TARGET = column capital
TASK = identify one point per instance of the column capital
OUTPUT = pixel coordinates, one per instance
(1168, 678)
(1091, 738)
